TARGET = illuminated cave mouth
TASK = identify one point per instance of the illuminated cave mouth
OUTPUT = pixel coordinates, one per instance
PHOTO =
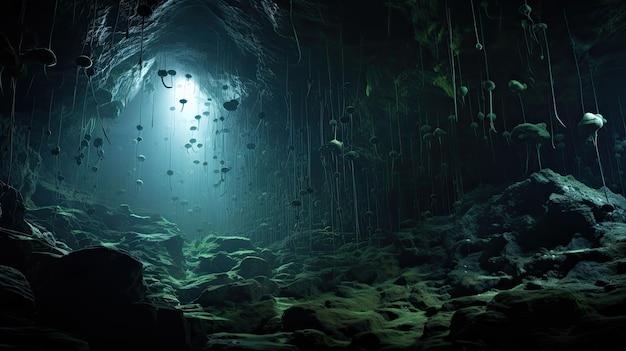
(216, 105)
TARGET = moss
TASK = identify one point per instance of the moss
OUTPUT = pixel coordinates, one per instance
(444, 82)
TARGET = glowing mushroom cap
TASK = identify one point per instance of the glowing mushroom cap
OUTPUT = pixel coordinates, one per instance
(84, 61)
(524, 10)
(231, 105)
(335, 145)
(591, 122)
(462, 91)
(530, 133)
(44, 56)
(351, 155)
(488, 85)
(98, 142)
(438, 132)
(516, 86)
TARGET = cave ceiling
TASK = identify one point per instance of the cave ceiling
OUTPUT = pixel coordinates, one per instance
(272, 49)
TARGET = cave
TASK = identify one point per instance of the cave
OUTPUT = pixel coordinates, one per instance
(312, 175)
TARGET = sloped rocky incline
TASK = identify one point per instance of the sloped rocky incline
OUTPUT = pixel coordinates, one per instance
(539, 265)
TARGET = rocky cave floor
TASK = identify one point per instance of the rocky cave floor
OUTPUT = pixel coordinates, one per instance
(538, 265)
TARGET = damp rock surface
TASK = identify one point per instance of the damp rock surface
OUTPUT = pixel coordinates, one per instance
(498, 275)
